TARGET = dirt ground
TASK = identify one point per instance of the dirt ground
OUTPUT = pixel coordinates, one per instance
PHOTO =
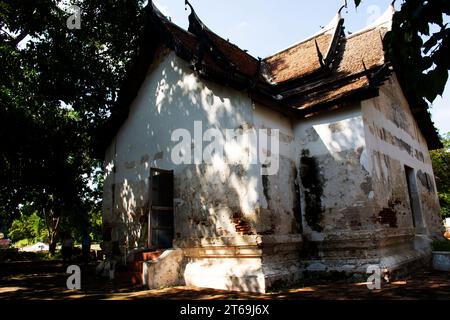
(46, 280)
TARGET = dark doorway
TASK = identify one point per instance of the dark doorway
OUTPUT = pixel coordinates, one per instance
(160, 217)
(414, 200)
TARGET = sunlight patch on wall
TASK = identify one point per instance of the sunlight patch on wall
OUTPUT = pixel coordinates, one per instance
(342, 135)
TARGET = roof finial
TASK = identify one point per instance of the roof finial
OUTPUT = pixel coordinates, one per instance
(343, 6)
(186, 3)
(367, 73)
(393, 5)
(381, 36)
(319, 54)
(194, 22)
(364, 65)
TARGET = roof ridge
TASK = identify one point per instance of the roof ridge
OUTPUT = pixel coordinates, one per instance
(384, 20)
(205, 27)
(332, 25)
(166, 19)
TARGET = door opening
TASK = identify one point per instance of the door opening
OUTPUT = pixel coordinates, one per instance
(414, 200)
(160, 226)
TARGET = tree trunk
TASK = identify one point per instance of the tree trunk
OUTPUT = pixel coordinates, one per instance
(53, 242)
(53, 233)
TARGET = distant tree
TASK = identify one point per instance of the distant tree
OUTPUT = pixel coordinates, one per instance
(28, 229)
(441, 168)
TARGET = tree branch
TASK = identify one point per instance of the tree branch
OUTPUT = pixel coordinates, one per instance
(18, 39)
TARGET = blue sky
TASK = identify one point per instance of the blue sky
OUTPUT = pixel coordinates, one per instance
(264, 27)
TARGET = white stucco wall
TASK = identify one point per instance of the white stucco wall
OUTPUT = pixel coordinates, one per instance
(170, 98)
(278, 193)
(209, 198)
(243, 229)
(219, 206)
(354, 194)
(332, 161)
(394, 141)
(359, 153)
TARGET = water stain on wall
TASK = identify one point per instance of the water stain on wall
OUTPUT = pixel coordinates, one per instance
(312, 183)
(388, 215)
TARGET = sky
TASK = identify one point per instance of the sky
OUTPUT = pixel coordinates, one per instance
(264, 27)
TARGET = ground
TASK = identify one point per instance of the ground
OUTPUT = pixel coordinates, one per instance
(47, 280)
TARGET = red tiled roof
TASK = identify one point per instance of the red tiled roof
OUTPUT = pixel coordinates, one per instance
(347, 59)
(303, 58)
(243, 62)
(297, 61)
(364, 46)
(226, 54)
(187, 39)
(331, 93)
(347, 67)
(356, 57)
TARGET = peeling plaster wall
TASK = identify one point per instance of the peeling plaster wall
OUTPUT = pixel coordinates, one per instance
(278, 193)
(393, 141)
(340, 186)
(333, 169)
(206, 195)
(351, 164)
(213, 202)
(354, 195)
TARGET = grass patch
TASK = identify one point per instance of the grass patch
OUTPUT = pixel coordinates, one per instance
(12, 254)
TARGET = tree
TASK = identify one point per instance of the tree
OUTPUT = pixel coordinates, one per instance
(27, 229)
(418, 47)
(56, 90)
(441, 168)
